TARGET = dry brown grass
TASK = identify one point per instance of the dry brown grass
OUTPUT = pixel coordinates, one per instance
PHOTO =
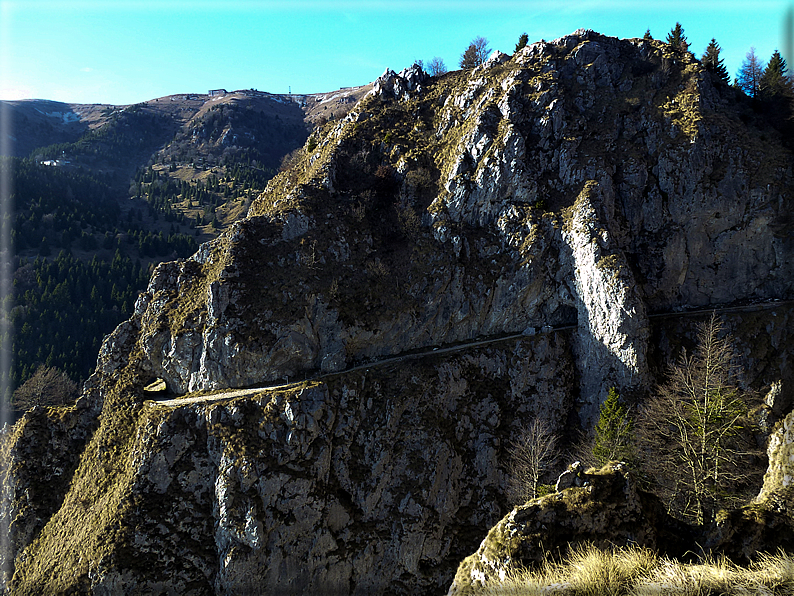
(635, 571)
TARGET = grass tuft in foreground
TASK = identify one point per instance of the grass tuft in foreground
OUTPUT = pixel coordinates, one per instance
(635, 571)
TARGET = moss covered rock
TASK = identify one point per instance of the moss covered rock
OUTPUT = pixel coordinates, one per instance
(605, 510)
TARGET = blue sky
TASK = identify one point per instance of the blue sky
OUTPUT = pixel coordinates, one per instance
(126, 51)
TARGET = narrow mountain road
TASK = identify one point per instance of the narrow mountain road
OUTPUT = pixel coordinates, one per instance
(181, 401)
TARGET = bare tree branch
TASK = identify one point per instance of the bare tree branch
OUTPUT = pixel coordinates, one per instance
(476, 53)
(436, 67)
(694, 432)
(533, 454)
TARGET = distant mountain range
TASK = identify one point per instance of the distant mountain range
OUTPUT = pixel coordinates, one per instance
(36, 123)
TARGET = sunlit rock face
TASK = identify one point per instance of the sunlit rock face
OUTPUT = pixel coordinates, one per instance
(778, 489)
(562, 196)
(585, 180)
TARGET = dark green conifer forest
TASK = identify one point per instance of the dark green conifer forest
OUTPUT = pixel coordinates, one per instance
(79, 265)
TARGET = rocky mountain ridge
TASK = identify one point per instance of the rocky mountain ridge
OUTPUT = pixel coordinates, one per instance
(588, 180)
(36, 123)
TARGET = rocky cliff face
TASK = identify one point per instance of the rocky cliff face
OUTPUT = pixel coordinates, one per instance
(588, 183)
(369, 482)
(584, 180)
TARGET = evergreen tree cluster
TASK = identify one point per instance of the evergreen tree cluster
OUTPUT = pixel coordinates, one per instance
(713, 63)
(770, 86)
(60, 208)
(677, 39)
(613, 432)
(167, 196)
(64, 307)
(523, 40)
(771, 89)
(775, 82)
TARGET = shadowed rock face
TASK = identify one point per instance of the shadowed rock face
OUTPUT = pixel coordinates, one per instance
(586, 181)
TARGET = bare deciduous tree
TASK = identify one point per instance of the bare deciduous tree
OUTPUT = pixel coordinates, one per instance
(436, 67)
(534, 453)
(47, 387)
(697, 443)
(476, 53)
(749, 77)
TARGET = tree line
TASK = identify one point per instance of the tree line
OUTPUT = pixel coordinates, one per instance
(768, 82)
(171, 198)
(770, 85)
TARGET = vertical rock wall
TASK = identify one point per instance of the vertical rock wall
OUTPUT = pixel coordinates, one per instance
(375, 482)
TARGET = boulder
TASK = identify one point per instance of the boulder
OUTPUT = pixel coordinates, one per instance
(602, 507)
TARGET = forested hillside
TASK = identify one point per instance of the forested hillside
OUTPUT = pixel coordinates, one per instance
(80, 263)
(142, 184)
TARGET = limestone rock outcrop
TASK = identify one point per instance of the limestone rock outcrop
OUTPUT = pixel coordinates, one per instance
(603, 508)
(588, 188)
(778, 489)
(400, 86)
(38, 458)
